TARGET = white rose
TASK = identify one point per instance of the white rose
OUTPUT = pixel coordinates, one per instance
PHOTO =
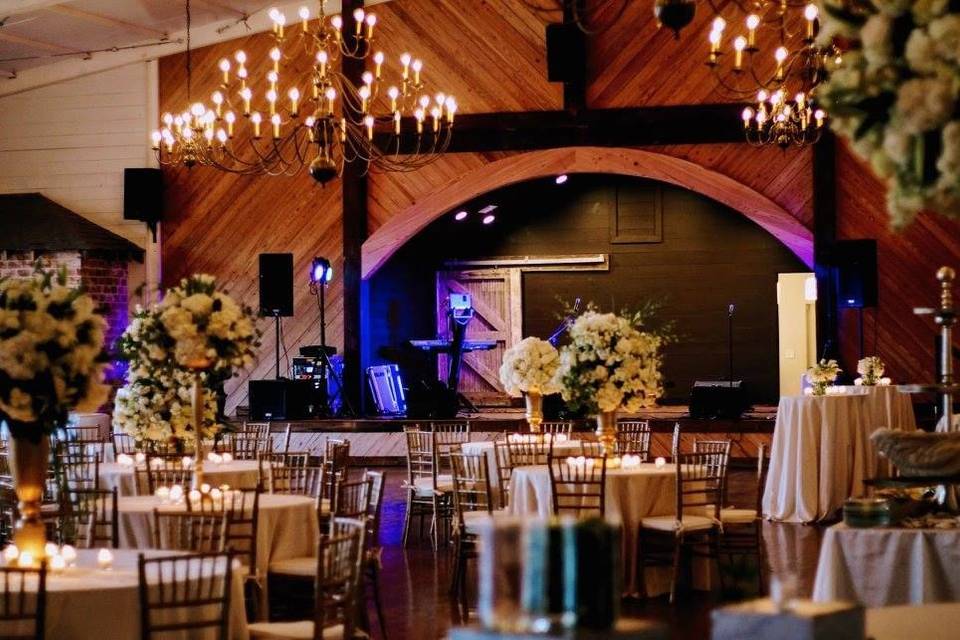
(924, 103)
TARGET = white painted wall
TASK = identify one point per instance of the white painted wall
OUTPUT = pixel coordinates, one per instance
(72, 140)
(797, 310)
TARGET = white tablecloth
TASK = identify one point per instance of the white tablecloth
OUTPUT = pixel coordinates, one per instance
(886, 407)
(821, 455)
(85, 602)
(631, 495)
(486, 448)
(889, 566)
(288, 526)
(239, 474)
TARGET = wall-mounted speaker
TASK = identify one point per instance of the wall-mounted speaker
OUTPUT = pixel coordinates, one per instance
(143, 196)
(566, 52)
(855, 270)
(276, 284)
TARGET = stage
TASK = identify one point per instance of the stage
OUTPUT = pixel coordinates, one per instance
(380, 441)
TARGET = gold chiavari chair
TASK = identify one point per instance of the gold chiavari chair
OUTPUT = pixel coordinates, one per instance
(300, 481)
(578, 484)
(279, 459)
(78, 468)
(8, 511)
(336, 459)
(455, 431)
(5, 474)
(248, 445)
(472, 501)
(123, 443)
(633, 438)
(162, 470)
(504, 471)
(185, 594)
(557, 427)
(719, 451)
(588, 448)
(336, 588)
(695, 524)
(195, 531)
(428, 492)
(742, 533)
(24, 602)
(533, 449)
(89, 518)
(352, 499)
(373, 555)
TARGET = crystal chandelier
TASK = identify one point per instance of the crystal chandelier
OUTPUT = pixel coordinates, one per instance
(310, 115)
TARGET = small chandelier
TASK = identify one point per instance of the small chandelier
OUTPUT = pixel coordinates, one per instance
(310, 115)
(782, 122)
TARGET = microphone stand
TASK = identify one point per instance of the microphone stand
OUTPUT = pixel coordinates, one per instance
(730, 311)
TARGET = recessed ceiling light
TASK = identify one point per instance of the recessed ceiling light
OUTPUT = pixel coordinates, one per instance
(561, 178)
(490, 208)
(489, 218)
(460, 215)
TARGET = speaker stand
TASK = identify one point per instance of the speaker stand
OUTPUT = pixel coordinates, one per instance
(276, 329)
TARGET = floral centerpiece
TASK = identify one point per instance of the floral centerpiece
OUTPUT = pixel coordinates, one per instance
(530, 368)
(612, 363)
(871, 372)
(180, 351)
(894, 96)
(51, 362)
(822, 375)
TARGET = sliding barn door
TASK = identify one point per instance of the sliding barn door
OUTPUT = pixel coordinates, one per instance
(498, 314)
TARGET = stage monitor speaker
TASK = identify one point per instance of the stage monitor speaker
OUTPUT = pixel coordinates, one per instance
(276, 284)
(143, 195)
(718, 399)
(855, 269)
(566, 53)
(281, 399)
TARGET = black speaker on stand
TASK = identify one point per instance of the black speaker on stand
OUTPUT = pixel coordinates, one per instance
(855, 272)
(143, 196)
(276, 292)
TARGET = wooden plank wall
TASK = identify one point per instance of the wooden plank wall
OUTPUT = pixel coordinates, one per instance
(492, 56)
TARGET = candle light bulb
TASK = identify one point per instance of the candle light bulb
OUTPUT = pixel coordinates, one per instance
(378, 57)
(364, 92)
(208, 135)
(358, 15)
(405, 59)
(217, 98)
(273, 77)
(168, 118)
(240, 56)
(747, 115)
(753, 21)
(780, 54)
(368, 122)
(424, 101)
(417, 66)
(371, 19)
(440, 99)
(714, 38)
(322, 56)
(275, 121)
(367, 78)
(274, 14)
(224, 65)
(155, 138)
(271, 95)
(396, 122)
(762, 95)
(304, 13)
(810, 12)
(336, 22)
(275, 56)
(740, 43)
(221, 135)
(719, 24)
(197, 109)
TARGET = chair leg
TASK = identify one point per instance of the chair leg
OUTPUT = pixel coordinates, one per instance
(758, 540)
(675, 576)
(435, 532)
(714, 542)
(455, 576)
(406, 518)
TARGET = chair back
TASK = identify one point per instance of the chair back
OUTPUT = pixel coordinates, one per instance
(762, 467)
(79, 468)
(279, 459)
(501, 454)
(471, 485)
(352, 499)
(242, 510)
(23, 608)
(719, 451)
(378, 483)
(337, 587)
(196, 531)
(185, 594)
(420, 459)
(299, 481)
(633, 438)
(532, 449)
(588, 448)
(163, 470)
(699, 482)
(89, 518)
(578, 484)
(556, 427)
(8, 511)
(123, 443)
(452, 431)
(336, 458)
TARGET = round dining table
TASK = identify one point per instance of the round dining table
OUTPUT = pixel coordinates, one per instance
(630, 495)
(238, 474)
(288, 526)
(86, 602)
(486, 448)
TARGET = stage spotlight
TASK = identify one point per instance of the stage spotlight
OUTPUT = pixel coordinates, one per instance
(489, 218)
(561, 178)
(461, 215)
(321, 272)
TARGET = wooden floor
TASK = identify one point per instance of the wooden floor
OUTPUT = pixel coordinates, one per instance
(416, 579)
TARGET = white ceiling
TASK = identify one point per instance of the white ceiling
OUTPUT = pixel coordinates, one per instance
(45, 41)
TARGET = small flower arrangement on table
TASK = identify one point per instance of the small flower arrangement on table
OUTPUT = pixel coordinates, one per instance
(871, 371)
(822, 375)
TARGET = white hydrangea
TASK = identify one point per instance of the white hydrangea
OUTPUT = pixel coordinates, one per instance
(926, 10)
(925, 103)
(530, 366)
(945, 32)
(875, 36)
(921, 52)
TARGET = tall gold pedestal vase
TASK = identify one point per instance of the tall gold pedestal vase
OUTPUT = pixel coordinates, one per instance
(29, 459)
(198, 367)
(607, 432)
(534, 416)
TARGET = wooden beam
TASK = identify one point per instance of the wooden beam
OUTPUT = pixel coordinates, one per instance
(824, 238)
(354, 232)
(15, 7)
(223, 6)
(39, 45)
(534, 130)
(109, 21)
(575, 89)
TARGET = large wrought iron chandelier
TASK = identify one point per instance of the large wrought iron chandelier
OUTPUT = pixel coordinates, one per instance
(310, 115)
(781, 77)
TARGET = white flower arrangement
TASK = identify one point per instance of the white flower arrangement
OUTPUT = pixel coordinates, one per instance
(530, 366)
(51, 353)
(894, 95)
(871, 372)
(610, 364)
(823, 374)
(195, 324)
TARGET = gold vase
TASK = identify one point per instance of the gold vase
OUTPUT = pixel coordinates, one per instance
(28, 466)
(534, 402)
(607, 432)
(198, 429)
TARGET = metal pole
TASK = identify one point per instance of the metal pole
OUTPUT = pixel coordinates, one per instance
(946, 317)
